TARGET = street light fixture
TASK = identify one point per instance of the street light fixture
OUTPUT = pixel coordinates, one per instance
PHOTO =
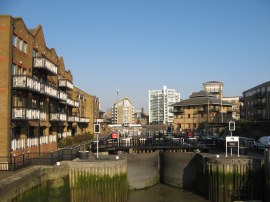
(117, 92)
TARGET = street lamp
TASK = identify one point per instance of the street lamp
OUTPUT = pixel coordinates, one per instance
(117, 92)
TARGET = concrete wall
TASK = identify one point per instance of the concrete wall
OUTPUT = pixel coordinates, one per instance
(179, 169)
(17, 184)
(143, 170)
(227, 179)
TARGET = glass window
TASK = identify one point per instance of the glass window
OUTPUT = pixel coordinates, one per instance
(14, 69)
(24, 47)
(41, 105)
(34, 53)
(20, 44)
(14, 40)
(18, 101)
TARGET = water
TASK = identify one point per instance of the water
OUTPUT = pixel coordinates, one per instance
(164, 193)
(157, 193)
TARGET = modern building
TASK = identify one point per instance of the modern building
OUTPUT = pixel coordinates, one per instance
(39, 103)
(214, 87)
(256, 103)
(201, 107)
(160, 105)
(123, 113)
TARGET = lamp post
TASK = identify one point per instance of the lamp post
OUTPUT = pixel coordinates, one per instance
(117, 92)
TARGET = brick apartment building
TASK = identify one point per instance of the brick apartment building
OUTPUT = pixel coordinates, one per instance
(256, 103)
(201, 107)
(39, 103)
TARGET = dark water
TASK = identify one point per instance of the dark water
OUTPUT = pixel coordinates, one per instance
(102, 189)
(157, 193)
(164, 193)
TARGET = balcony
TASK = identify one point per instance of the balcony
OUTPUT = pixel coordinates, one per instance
(73, 119)
(260, 95)
(25, 114)
(178, 110)
(260, 104)
(49, 91)
(43, 116)
(65, 84)
(32, 142)
(214, 109)
(76, 104)
(72, 103)
(84, 120)
(26, 82)
(58, 117)
(62, 96)
(44, 64)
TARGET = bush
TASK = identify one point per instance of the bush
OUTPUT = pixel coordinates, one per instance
(83, 138)
(68, 141)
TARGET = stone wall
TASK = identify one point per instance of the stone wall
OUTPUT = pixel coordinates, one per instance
(179, 169)
(143, 170)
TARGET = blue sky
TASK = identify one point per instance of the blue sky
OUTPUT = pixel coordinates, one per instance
(138, 45)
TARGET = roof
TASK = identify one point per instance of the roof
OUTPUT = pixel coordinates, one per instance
(212, 82)
(202, 98)
(258, 86)
(201, 94)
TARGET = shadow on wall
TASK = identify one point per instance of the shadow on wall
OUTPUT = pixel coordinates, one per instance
(190, 174)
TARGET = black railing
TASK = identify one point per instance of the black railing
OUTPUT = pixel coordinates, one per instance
(15, 162)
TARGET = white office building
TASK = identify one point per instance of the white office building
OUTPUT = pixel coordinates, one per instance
(160, 105)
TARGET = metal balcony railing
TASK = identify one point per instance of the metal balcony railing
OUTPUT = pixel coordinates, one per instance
(43, 116)
(49, 90)
(58, 117)
(26, 82)
(84, 120)
(45, 64)
(32, 142)
(65, 83)
(73, 119)
(62, 95)
(76, 104)
(25, 113)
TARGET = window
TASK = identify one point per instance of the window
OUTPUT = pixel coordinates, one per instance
(17, 70)
(14, 40)
(20, 44)
(41, 105)
(19, 101)
(34, 54)
(34, 103)
(24, 47)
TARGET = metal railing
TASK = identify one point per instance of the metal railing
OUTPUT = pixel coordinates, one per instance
(31, 142)
(65, 83)
(46, 64)
(15, 162)
(25, 113)
(23, 81)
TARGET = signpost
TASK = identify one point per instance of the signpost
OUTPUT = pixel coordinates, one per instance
(232, 141)
(97, 131)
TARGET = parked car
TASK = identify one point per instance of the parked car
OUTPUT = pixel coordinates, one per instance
(263, 142)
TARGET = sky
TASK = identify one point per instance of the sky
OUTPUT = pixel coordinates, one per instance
(138, 45)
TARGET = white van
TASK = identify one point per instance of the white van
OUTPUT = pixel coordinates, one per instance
(263, 142)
